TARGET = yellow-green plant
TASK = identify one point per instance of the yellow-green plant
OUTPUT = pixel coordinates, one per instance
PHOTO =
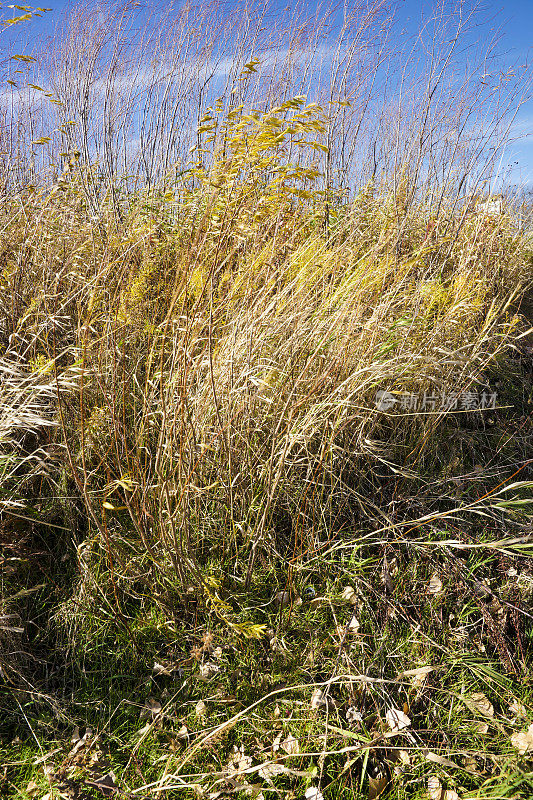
(249, 165)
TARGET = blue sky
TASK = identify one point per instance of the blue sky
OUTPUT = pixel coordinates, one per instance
(514, 21)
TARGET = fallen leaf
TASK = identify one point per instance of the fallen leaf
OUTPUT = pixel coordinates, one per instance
(105, 783)
(164, 669)
(269, 771)
(523, 741)
(291, 745)
(313, 794)
(436, 759)
(376, 786)
(151, 709)
(435, 584)
(201, 708)
(353, 625)
(145, 729)
(434, 788)
(208, 669)
(480, 702)
(282, 599)
(278, 645)
(397, 720)
(400, 758)
(353, 715)
(42, 758)
(32, 789)
(470, 764)
(386, 578)
(404, 758)
(318, 699)
(348, 594)
(182, 733)
(239, 762)
(481, 727)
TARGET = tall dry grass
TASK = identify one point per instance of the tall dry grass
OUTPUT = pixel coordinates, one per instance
(214, 312)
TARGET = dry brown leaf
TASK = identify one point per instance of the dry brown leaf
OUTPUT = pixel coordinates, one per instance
(416, 673)
(105, 783)
(480, 702)
(207, 670)
(470, 764)
(79, 742)
(397, 720)
(353, 625)
(400, 759)
(342, 631)
(435, 584)
(376, 786)
(441, 760)
(201, 708)
(290, 745)
(318, 699)
(239, 762)
(313, 794)
(282, 599)
(268, 771)
(145, 729)
(32, 789)
(386, 578)
(353, 714)
(523, 741)
(481, 727)
(434, 788)
(151, 709)
(164, 669)
(348, 594)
